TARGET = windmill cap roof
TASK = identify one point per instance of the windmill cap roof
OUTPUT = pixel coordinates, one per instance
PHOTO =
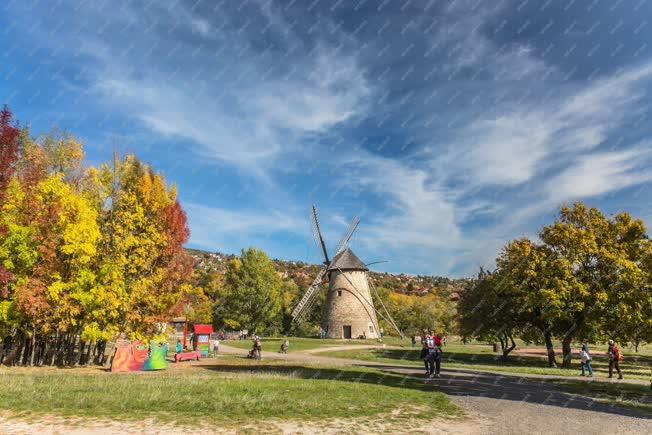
(347, 260)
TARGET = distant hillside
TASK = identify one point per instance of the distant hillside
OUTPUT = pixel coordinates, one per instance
(303, 274)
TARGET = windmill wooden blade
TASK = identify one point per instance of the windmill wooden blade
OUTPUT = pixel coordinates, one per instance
(315, 224)
(347, 236)
(309, 296)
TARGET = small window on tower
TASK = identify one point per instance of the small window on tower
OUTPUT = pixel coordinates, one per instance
(339, 292)
(371, 328)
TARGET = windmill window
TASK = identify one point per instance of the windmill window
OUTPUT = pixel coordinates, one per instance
(371, 328)
(339, 292)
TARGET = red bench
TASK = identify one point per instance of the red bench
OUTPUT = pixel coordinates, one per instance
(187, 356)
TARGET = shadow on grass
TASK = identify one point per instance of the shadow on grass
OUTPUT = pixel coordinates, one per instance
(504, 387)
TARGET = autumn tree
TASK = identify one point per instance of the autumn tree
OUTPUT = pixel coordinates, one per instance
(49, 248)
(536, 278)
(85, 254)
(9, 136)
(142, 262)
(588, 278)
(605, 286)
(413, 313)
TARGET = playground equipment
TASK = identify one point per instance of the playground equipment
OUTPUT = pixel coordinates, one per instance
(136, 356)
(187, 356)
(201, 339)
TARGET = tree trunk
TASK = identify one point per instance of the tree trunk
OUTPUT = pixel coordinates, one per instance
(101, 348)
(44, 353)
(550, 349)
(80, 358)
(508, 349)
(89, 354)
(6, 348)
(12, 351)
(566, 349)
(55, 349)
(32, 347)
(69, 356)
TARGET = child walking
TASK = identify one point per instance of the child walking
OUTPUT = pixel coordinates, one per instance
(585, 358)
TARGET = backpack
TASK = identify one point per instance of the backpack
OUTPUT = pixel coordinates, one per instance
(619, 356)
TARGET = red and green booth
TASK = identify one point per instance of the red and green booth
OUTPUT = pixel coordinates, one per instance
(201, 339)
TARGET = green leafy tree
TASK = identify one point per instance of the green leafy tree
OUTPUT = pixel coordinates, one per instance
(289, 297)
(251, 298)
(491, 311)
(604, 279)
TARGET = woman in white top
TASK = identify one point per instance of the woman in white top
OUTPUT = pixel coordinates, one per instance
(585, 358)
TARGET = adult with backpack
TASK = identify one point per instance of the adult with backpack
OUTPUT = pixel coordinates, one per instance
(614, 358)
(433, 358)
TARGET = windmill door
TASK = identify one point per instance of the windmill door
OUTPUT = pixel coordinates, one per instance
(346, 331)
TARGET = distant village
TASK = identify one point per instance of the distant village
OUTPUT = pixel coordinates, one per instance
(302, 273)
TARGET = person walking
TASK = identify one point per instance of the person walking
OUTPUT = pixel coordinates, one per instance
(614, 358)
(216, 347)
(433, 356)
(382, 332)
(284, 347)
(258, 347)
(179, 347)
(424, 352)
(585, 360)
(414, 341)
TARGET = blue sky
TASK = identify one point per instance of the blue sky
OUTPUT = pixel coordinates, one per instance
(450, 127)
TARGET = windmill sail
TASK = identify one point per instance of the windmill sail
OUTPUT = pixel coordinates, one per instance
(309, 296)
(347, 236)
(317, 230)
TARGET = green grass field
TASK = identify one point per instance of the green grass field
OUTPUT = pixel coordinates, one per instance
(302, 344)
(631, 396)
(228, 390)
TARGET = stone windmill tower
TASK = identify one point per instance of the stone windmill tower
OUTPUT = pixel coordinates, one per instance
(349, 310)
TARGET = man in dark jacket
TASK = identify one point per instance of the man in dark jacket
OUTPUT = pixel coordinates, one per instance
(614, 357)
(433, 357)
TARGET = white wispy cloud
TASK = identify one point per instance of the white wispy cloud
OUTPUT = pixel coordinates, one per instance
(600, 173)
(213, 227)
(522, 141)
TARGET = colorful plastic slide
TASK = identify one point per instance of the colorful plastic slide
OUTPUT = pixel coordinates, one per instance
(135, 357)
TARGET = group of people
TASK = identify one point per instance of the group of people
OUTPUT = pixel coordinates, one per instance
(614, 359)
(431, 353)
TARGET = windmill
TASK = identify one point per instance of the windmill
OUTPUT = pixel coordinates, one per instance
(349, 310)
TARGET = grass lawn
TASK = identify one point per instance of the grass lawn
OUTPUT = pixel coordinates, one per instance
(481, 357)
(230, 390)
(631, 396)
(302, 344)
